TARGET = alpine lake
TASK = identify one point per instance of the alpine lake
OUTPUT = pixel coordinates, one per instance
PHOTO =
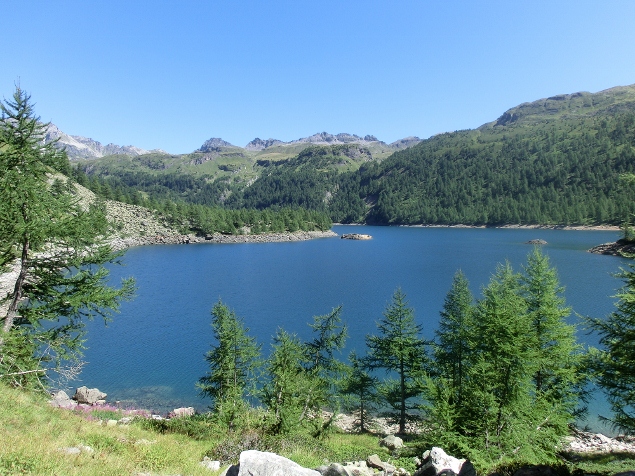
(152, 353)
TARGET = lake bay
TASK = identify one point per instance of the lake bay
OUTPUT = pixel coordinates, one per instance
(152, 353)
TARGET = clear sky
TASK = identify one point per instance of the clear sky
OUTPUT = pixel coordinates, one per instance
(171, 74)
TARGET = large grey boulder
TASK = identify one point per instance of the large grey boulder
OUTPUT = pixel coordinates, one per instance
(62, 400)
(88, 395)
(437, 462)
(260, 463)
(391, 442)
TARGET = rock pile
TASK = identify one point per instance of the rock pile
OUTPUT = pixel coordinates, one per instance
(356, 236)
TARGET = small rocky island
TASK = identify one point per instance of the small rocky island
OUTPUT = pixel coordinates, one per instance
(536, 242)
(355, 236)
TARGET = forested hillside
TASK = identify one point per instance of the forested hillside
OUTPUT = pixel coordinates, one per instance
(553, 161)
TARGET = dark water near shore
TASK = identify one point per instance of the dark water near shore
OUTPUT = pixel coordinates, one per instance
(151, 355)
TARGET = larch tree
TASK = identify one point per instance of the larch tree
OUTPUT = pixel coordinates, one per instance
(614, 363)
(57, 246)
(558, 376)
(399, 349)
(233, 361)
(360, 391)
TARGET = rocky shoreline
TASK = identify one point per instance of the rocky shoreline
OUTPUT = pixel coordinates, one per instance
(120, 243)
(619, 248)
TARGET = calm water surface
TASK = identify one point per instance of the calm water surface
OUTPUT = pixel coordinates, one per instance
(153, 352)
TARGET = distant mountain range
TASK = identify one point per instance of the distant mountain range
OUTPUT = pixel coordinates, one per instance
(78, 147)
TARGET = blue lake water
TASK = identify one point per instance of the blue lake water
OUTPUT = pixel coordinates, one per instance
(152, 353)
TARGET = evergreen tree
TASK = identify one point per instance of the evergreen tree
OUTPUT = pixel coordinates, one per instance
(233, 361)
(57, 246)
(321, 364)
(614, 365)
(557, 359)
(503, 367)
(455, 337)
(360, 391)
(284, 394)
(398, 348)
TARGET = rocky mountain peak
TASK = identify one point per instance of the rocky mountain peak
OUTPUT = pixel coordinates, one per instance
(213, 143)
(78, 147)
(258, 144)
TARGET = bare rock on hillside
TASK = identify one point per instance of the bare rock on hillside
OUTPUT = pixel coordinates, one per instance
(89, 396)
(436, 462)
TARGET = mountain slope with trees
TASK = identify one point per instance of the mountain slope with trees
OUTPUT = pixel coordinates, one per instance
(553, 161)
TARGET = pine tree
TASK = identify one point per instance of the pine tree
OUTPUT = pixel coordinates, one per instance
(57, 245)
(398, 348)
(233, 361)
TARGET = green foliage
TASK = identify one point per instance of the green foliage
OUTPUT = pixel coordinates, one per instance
(58, 247)
(285, 393)
(517, 387)
(233, 361)
(360, 392)
(399, 349)
(614, 364)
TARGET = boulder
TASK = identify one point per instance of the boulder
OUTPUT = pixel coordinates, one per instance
(537, 242)
(373, 461)
(260, 463)
(210, 464)
(391, 442)
(182, 412)
(62, 400)
(436, 462)
(89, 396)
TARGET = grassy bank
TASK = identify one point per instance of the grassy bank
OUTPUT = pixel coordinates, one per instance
(35, 439)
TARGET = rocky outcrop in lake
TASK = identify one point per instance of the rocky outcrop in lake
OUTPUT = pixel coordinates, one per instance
(617, 248)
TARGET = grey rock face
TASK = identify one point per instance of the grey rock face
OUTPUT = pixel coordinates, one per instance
(259, 144)
(211, 144)
(259, 463)
(88, 395)
(78, 147)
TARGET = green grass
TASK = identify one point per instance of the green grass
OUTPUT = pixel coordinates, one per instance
(33, 433)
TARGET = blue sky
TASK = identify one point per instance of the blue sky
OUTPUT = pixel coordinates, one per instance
(171, 74)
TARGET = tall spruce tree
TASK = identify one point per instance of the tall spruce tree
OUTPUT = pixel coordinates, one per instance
(57, 246)
(233, 361)
(400, 349)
